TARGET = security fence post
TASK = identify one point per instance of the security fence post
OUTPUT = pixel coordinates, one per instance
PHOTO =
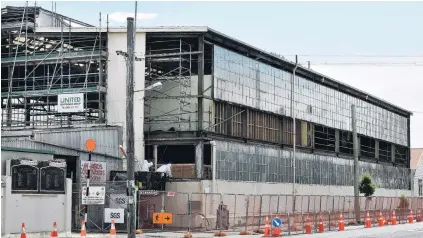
(247, 202)
(233, 224)
(259, 223)
(189, 212)
(289, 224)
(163, 207)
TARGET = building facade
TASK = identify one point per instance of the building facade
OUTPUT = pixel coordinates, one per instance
(416, 166)
(225, 110)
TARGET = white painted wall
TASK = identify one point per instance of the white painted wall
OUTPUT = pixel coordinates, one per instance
(37, 211)
(116, 88)
(167, 110)
(286, 188)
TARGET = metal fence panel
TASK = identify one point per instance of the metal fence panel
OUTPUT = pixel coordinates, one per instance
(235, 212)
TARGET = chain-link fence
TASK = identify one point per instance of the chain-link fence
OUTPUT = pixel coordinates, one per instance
(239, 212)
(115, 197)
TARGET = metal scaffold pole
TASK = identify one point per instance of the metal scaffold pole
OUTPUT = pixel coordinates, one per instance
(294, 135)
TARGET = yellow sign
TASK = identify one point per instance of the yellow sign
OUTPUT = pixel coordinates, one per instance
(162, 218)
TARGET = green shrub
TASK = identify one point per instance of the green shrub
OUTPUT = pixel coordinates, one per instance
(403, 202)
(367, 186)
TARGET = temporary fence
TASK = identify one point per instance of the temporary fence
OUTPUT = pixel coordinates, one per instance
(209, 212)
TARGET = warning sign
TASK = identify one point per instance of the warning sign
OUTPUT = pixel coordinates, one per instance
(162, 218)
(98, 171)
(95, 197)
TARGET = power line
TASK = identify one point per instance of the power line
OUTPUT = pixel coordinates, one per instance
(359, 55)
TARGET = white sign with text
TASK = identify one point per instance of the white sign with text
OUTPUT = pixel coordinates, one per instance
(96, 195)
(114, 214)
(70, 102)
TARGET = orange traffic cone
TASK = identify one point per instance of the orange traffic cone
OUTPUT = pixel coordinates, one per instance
(419, 216)
(410, 217)
(23, 232)
(341, 225)
(368, 223)
(113, 230)
(394, 218)
(321, 226)
(267, 228)
(138, 233)
(308, 226)
(380, 219)
(83, 230)
(54, 233)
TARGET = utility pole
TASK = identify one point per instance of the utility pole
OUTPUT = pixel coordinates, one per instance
(355, 151)
(130, 140)
(294, 135)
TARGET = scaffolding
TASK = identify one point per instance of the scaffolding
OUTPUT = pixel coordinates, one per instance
(173, 107)
(39, 66)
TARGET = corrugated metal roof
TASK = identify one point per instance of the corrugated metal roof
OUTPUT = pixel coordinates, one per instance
(41, 145)
(5, 148)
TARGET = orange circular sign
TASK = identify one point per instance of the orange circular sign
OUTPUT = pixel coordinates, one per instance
(90, 145)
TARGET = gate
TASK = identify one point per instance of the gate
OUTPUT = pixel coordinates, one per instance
(115, 198)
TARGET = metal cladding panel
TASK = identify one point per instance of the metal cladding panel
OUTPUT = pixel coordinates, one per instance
(248, 82)
(107, 139)
(28, 144)
(243, 162)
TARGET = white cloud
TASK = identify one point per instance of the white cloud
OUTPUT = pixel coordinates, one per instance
(120, 17)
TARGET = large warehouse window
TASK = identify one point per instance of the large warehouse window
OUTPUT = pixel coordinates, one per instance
(324, 138)
(345, 142)
(264, 126)
(385, 153)
(228, 119)
(303, 132)
(367, 147)
(401, 155)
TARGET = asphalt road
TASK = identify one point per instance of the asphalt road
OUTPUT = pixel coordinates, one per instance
(414, 230)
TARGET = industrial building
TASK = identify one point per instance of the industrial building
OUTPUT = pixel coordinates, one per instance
(223, 116)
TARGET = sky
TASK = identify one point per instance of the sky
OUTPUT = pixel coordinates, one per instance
(373, 46)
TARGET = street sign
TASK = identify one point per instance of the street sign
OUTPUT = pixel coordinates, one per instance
(95, 197)
(90, 145)
(116, 214)
(276, 222)
(162, 218)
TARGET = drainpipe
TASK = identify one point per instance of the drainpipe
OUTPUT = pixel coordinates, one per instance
(213, 159)
(293, 126)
